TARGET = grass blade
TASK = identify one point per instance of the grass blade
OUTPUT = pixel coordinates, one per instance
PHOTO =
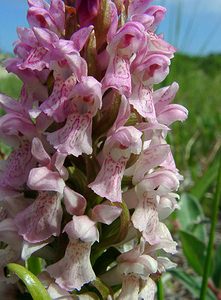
(206, 180)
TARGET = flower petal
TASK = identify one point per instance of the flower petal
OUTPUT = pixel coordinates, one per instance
(142, 101)
(118, 75)
(108, 181)
(18, 166)
(43, 179)
(148, 290)
(83, 228)
(75, 137)
(150, 158)
(41, 219)
(75, 203)
(105, 213)
(130, 288)
(74, 270)
(39, 152)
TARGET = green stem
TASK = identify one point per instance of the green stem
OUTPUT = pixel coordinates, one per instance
(211, 236)
(160, 293)
(34, 264)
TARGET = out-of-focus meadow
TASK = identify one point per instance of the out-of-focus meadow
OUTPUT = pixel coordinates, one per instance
(196, 146)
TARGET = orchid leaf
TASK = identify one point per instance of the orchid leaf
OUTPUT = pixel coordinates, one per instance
(194, 250)
(33, 284)
(191, 217)
(192, 283)
(209, 176)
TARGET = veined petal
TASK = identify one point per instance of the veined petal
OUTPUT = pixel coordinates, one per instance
(145, 219)
(158, 12)
(54, 106)
(16, 124)
(146, 20)
(10, 105)
(108, 181)
(165, 241)
(18, 165)
(142, 101)
(142, 267)
(165, 95)
(80, 37)
(123, 142)
(159, 183)
(130, 39)
(118, 75)
(55, 292)
(57, 12)
(57, 162)
(130, 288)
(26, 36)
(138, 7)
(150, 158)
(37, 60)
(148, 290)
(43, 15)
(41, 219)
(74, 270)
(75, 137)
(153, 70)
(77, 64)
(46, 38)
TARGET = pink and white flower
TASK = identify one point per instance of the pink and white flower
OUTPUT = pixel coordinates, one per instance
(89, 158)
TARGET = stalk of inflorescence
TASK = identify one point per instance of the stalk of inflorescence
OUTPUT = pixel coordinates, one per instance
(160, 292)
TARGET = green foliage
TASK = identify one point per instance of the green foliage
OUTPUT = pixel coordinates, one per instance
(9, 84)
(196, 142)
(191, 217)
(32, 283)
(194, 251)
(217, 268)
(34, 265)
(203, 184)
(192, 283)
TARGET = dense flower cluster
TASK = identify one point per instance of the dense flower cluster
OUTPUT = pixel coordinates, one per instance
(91, 176)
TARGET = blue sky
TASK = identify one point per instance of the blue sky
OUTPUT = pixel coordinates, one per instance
(193, 26)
